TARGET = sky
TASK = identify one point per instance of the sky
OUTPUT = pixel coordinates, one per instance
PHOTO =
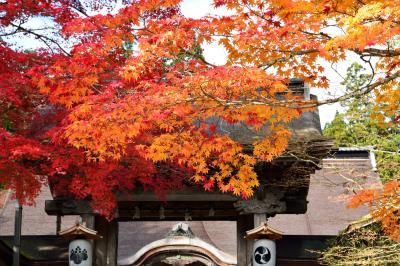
(217, 54)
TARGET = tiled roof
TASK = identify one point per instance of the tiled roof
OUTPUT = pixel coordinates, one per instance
(3, 199)
(35, 221)
(330, 188)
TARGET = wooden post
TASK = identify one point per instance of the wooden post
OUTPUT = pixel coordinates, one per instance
(88, 220)
(244, 247)
(259, 218)
(105, 249)
(17, 233)
(58, 224)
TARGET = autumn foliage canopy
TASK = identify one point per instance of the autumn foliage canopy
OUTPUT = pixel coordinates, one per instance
(120, 95)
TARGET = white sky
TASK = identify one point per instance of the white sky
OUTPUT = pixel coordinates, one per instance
(216, 54)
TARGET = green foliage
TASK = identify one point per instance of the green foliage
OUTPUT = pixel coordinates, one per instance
(355, 127)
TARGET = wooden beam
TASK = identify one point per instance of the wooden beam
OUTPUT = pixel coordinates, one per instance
(67, 207)
(271, 204)
(244, 247)
(189, 195)
(174, 210)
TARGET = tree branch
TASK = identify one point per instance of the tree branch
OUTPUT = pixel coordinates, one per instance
(41, 37)
(287, 57)
(377, 52)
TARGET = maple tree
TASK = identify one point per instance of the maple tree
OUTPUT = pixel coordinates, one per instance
(121, 96)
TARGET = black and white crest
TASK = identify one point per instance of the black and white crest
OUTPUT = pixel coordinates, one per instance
(262, 255)
(78, 255)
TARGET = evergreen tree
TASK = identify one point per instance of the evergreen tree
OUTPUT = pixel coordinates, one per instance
(357, 126)
(369, 243)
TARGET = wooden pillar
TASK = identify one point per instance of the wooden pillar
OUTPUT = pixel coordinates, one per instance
(259, 218)
(244, 247)
(105, 249)
(58, 224)
(88, 220)
(17, 233)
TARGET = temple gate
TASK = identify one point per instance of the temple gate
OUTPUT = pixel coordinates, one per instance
(283, 189)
